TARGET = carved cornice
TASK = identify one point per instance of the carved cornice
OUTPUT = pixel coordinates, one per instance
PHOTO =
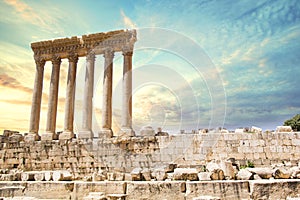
(99, 42)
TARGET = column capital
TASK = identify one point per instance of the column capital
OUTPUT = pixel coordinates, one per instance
(91, 56)
(108, 53)
(127, 50)
(39, 61)
(73, 57)
(56, 59)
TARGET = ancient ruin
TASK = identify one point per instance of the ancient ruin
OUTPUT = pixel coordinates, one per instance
(245, 164)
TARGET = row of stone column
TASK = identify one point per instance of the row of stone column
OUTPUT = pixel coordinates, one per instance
(86, 132)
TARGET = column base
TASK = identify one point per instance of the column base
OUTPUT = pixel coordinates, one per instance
(48, 136)
(105, 133)
(85, 134)
(126, 132)
(66, 135)
(32, 137)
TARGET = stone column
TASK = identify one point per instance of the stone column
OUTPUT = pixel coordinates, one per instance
(106, 130)
(70, 98)
(87, 107)
(36, 99)
(52, 102)
(126, 128)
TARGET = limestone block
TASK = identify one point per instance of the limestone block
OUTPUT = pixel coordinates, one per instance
(211, 166)
(294, 171)
(136, 174)
(190, 174)
(206, 198)
(48, 175)
(296, 142)
(147, 131)
(95, 196)
(219, 189)
(274, 189)
(228, 169)
(146, 173)
(49, 190)
(39, 176)
(217, 174)
(264, 172)
(159, 174)
(81, 189)
(27, 176)
(281, 173)
(154, 190)
(204, 176)
(111, 176)
(119, 176)
(243, 174)
(62, 176)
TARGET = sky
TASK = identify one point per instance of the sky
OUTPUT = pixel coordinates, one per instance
(197, 64)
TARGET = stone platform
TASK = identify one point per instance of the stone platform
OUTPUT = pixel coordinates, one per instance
(153, 190)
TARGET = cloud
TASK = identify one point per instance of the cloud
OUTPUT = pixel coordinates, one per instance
(10, 82)
(38, 16)
(127, 21)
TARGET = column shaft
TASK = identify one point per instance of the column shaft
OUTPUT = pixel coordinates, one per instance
(70, 94)
(53, 95)
(37, 96)
(87, 108)
(127, 94)
(107, 93)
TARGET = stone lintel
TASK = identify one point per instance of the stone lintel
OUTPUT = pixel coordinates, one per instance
(85, 134)
(82, 45)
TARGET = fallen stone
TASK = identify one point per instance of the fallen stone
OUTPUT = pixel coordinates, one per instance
(243, 174)
(264, 173)
(48, 175)
(204, 176)
(294, 171)
(119, 176)
(190, 174)
(256, 177)
(281, 173)
(159, 174)
(62, 176)
(211, 166)
(27, 176)
(39, 176)
(217, 174)
(136, 174)
(146, 173)
(228, 169)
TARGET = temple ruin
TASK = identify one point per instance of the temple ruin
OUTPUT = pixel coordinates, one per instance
(72, 48)
(183, 166)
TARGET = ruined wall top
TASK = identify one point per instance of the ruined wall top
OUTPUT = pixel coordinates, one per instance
(117, 40)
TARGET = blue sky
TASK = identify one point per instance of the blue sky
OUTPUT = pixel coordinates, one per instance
(250, 49)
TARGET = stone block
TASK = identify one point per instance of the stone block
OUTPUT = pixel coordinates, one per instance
(243, 174)
(82, 189)
(264, 172)
(218, 189)
(274, 189)
(155, 190)
(147, 131)
(190, 174)
(204, 176)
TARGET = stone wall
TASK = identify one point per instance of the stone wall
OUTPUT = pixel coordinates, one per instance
(85, 157)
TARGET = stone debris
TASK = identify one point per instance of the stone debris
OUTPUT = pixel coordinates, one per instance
(281, 173)
(244, 174)
(264, 173)
(190, 174)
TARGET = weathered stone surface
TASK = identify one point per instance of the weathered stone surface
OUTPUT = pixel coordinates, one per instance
(49, 190)
(159, 174)
(62, 176)
(274, 189)
(39, 176)
(95, 196)
(219, 189)
(147, 131)
(228, 169)
(204, 176)
(282, 173)
(264, 173)
(155, 190)
(243, 174)
(217, 174)
(146, 173)
(82, 189)
(190, 174)
(136, 174)
(48, 175)
(27, 176)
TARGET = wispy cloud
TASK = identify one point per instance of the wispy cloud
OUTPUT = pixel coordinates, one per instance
(128, 23)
